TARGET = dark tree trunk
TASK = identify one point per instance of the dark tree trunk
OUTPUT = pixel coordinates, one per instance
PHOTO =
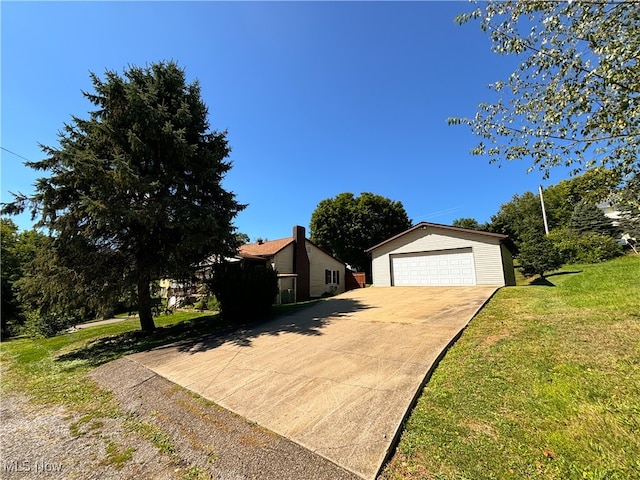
(144, 304)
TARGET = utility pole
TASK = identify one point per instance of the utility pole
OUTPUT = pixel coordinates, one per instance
(544, 212)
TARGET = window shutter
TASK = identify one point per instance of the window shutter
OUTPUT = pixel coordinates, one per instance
(327, 277)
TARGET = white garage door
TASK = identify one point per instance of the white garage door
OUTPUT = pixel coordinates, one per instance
(441, 268)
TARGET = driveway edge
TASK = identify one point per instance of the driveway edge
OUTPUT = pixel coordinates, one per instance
(412, 405)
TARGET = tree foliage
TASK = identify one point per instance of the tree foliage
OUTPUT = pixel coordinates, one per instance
(468, 223)
(593, 187)
(10, 271)
(523, 213)
(18, 251)
(134, 192)
(628, 201)
(346, 225)
(574, 100)
(587, 217)
(538, 255)
(585, 247)
(519, 217)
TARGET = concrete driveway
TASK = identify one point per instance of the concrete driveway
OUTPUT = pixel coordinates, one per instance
(337, 378)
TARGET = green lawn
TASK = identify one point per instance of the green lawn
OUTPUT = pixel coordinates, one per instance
(544, 383)
(53, 370)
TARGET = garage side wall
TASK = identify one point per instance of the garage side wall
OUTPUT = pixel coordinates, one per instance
(487, 253)
(507, 262)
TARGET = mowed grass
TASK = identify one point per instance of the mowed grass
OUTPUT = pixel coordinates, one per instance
(52, 371)
(544, 383)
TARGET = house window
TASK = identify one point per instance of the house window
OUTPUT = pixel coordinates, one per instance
(332, 277)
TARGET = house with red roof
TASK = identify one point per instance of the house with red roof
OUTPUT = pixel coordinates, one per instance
(304, 270)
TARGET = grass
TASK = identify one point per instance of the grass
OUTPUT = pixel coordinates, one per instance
(117, 455)
(52, 371)
(544, 383)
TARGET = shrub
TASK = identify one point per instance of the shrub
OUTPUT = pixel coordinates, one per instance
(567, 243)
(209, 302)
(212, 303)
(538, 255)
(587, 247)
(200, 304)
(594, 248)
(48, 324)
(244, 292)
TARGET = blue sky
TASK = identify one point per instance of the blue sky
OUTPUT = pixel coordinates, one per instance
(318, 98)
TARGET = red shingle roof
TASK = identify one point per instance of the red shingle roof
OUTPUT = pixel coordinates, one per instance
(264, 249)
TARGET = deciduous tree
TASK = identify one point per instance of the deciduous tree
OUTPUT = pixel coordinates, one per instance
(469, 223)
(346, 225)
(519, 217)
(574, 100)
(18, 251)
(134, 191)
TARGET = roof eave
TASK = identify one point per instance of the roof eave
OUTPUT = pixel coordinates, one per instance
(424, 225)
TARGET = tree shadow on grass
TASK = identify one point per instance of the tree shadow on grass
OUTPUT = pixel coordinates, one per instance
(541, 282)
(204, 333)
(557, 274)
(106, 349)
(545, 282)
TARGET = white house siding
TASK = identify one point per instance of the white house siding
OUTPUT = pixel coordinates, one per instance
(487, 253)
(319, 261)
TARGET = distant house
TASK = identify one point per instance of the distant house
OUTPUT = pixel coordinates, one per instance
(304, 270)
(611, 211)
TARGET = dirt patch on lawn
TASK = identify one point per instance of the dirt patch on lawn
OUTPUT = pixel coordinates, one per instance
(37, 442)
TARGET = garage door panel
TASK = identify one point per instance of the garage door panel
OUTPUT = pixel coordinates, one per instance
(435, 269)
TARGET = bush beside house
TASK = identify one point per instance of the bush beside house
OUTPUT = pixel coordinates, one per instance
(244, 292)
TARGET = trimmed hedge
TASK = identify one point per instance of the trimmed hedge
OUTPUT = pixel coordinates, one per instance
(244, 293)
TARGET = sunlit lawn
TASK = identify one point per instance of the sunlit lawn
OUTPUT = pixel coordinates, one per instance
(544, 383)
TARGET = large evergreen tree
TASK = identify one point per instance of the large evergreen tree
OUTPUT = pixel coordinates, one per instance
(134, 191)
(589, 218)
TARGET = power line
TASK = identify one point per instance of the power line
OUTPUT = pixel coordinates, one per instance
(14, 153)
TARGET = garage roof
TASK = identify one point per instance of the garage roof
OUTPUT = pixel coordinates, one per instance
(424, 225)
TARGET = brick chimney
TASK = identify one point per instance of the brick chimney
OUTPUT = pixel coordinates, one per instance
(301, 263)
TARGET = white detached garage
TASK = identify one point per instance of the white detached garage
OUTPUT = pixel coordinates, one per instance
(430, 254)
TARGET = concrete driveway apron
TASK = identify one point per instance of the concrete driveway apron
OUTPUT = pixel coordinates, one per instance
(339, 377)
